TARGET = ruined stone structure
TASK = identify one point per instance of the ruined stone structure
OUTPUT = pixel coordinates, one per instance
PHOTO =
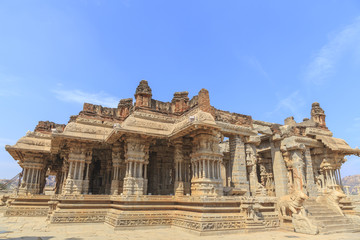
(182, 163)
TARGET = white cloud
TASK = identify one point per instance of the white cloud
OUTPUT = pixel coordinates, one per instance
(290, 105)
(257, 66)
(8, 93)
(323, 64)
(81, 97)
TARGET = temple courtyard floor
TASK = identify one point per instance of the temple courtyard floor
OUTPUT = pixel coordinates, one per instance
(37, 228)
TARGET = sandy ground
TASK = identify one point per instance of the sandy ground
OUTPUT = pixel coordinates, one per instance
(37, 228)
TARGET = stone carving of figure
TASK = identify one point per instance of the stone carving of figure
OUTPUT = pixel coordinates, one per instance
(332, 197)
(320, 182)
(292, 204)
(263, 174)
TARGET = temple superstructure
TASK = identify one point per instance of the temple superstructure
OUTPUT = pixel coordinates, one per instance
(201, 168)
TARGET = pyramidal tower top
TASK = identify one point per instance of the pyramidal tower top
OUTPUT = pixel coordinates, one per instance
(318, 114)
(143, 94)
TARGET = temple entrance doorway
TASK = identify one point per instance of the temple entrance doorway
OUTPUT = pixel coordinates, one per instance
(161, 173)
(100, 172)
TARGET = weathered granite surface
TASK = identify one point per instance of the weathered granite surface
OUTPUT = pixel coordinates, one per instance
(181, 163)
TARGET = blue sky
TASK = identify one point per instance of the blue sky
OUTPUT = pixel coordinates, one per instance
(268, 59)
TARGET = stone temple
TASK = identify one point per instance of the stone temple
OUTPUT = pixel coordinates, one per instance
(184, 164)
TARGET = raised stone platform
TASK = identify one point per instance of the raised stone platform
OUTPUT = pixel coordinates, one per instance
(38, 228)
(202, 215)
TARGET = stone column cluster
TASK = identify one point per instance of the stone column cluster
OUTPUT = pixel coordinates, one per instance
(331, 174)
(117, 174)
(206, 162)
(136, 159)
(32, 175)
(78, 160)
(207, 169)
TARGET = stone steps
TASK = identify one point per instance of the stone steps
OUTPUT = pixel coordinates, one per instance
(324, 218)
(327, 220)
(323, 213)
(334, 222)
(339, 228)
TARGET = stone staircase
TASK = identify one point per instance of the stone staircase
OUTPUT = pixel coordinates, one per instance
(328, 220)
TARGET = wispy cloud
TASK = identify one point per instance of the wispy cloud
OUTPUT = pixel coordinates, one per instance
(323, 64)
(291, 104)
(81, 97)
(257, 66)
(9, 93)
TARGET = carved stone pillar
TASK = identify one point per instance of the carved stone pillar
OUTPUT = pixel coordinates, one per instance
(238, 164)
(179, 174)
(298, 169)
(68, 183)
(251, 166)
(327, 170)
(116, 183)
(279, 169)
(24, 181)
(108, 174)
(86, 182)
(310, 181)
(33, 166)
(64, 171)
(186, 150)
(75, 179)
(42, 180)
(205, 152)
(136, 157)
